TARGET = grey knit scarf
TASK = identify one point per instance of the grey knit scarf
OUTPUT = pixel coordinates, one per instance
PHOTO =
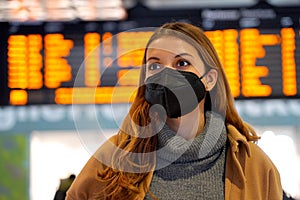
(191, 169)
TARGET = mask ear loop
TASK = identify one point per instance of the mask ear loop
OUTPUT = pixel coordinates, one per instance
(207, 103)
(205, 73)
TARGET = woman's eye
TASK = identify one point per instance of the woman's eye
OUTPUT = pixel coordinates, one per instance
(182, 63)
(154, 66)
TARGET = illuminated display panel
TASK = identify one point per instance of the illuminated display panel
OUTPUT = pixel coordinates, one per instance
(241, 53)
(86, 62)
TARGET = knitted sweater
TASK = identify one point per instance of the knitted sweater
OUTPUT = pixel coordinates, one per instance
(191, 169)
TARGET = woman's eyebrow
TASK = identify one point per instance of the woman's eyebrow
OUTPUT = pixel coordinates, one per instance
(152, 58)
(183, 54)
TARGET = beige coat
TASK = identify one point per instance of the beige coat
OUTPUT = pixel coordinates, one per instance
(250, 174)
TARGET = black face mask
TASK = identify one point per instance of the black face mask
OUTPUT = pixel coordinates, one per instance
(179, 92)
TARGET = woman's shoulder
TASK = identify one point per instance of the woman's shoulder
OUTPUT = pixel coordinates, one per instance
(250, 149)
(104, 152)
(87, 182)
(259, 155)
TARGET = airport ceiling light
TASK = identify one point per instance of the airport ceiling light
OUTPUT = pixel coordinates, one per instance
(284, 2)
(100, 9)
(61, 10)
(179, 4)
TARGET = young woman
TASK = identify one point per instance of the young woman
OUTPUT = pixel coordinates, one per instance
(182, 138)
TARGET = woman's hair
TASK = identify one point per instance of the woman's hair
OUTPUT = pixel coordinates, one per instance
(135, 136)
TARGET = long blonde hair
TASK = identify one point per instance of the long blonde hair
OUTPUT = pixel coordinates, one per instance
(132, 138)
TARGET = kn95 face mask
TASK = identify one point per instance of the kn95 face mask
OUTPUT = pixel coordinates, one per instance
(178, 92)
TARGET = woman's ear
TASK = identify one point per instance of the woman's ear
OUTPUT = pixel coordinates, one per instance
(211, 79)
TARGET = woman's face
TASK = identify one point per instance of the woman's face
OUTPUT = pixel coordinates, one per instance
(175, 53)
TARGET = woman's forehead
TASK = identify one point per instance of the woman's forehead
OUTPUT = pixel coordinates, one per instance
(170, 44)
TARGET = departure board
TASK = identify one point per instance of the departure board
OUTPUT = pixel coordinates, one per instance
(82, 62)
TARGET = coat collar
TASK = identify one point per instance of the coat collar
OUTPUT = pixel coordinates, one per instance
(237, 141)
(236, 138)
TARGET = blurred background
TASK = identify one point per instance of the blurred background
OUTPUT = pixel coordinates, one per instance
(69, 69)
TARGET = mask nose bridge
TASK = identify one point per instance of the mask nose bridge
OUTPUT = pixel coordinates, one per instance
(168, 66)
(169, 76)
(165, 73)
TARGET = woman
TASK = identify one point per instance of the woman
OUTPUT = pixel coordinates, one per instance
(182, 138)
